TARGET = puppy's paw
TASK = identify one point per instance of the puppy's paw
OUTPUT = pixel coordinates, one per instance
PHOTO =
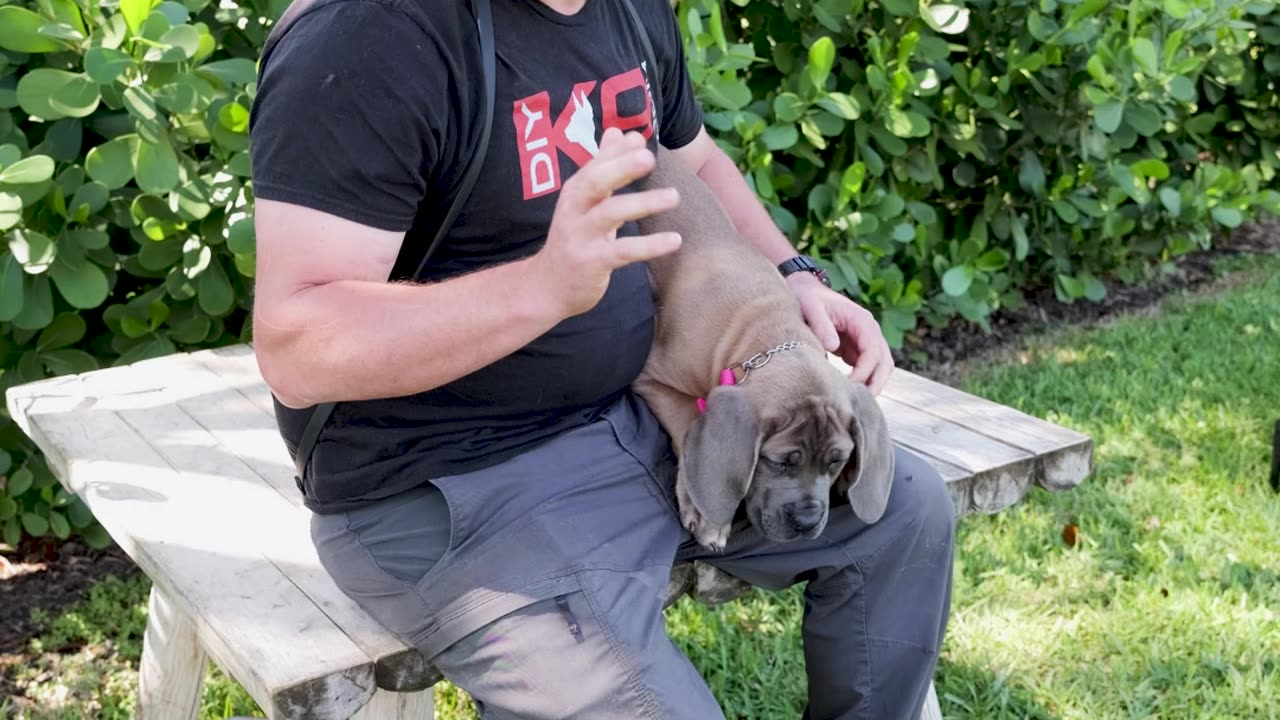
(708, 534)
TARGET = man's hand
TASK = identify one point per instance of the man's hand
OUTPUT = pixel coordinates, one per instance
(844, 328)
(583, 248)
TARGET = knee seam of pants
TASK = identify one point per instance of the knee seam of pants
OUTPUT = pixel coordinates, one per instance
(649, 703)
(874, 555)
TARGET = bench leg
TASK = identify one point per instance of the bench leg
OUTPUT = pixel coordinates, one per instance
(387, 705)
(172, 667)
(931, 709)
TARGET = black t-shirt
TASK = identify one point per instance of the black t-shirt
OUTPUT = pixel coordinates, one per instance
(369, 110)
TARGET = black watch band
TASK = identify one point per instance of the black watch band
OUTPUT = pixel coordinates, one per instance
(804, 263)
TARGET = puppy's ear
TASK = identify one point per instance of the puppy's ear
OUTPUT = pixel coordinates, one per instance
(868, 476)
(717, 463)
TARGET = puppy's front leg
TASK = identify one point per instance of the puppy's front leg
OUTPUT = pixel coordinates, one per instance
(674, 410)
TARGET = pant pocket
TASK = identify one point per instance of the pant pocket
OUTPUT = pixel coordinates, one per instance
(409, 534)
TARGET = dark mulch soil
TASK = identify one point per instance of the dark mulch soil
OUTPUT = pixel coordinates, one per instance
(47, 575)
(945, 348)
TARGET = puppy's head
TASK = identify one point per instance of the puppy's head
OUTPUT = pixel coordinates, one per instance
(780, 468)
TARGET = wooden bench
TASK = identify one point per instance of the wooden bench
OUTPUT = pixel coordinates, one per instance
(180, 460)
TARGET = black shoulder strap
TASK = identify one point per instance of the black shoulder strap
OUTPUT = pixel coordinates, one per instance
(484, 25)
(655, 82)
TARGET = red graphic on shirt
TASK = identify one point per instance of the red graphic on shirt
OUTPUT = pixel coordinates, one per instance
(574, 133)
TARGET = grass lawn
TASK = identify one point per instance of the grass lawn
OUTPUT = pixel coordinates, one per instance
(1165, 606)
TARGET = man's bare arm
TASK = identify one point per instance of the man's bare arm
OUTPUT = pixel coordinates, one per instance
(328, 327)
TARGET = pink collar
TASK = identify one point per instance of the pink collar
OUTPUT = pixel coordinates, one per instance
(754, 362)
(726, 378)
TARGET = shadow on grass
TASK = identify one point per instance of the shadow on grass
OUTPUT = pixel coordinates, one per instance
(970, 691)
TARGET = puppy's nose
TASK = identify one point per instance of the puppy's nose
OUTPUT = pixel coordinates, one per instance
(806, 515)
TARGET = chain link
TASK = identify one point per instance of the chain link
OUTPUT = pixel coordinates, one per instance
(759, 360)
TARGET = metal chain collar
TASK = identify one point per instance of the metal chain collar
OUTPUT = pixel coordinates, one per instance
(759, 360)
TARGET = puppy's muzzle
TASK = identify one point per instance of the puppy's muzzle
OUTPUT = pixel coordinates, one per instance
(805, 516)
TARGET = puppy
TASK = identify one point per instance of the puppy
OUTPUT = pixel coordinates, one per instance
(784, 428)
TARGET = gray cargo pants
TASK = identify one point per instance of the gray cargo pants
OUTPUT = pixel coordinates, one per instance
(537, 585)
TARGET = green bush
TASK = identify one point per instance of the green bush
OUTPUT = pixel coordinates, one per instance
(123, 199)
(942, 159)
(939, 159)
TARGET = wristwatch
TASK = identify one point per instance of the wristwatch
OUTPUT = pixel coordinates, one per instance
(804, 263)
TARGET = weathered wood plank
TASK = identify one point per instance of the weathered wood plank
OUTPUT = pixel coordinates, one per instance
(219, 432)
(387, 705)
(1001, 473)
(931, 710)
(1065, 455)
(171, 672)
(186, 530)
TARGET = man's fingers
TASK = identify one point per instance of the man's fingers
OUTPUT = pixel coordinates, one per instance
(819, 321)
(619, 209)
(604, 174)
(883, 370)
(640, 248)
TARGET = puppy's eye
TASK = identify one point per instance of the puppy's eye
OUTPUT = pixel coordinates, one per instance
(836, 463)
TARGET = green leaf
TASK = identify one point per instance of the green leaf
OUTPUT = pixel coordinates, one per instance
(1031, 173)
(992, 260)
(37, 88)
(780, 137)
(904, 232)
(901, 8)
(1142, 119)
(788, 107)
(37, 303)
(59, 525)
(1171, 200)
(947, 19)
(840, 105)
(1108, 116)
(237, 71)
(19, 482)
(82, 284)
(1182, 88)
(907, 124)
(1094, 289)
(111, 163)
(956, 281)
(1179, 9)
(1229, 217)
(68, 361)
(822, 55)
(727, 93)
(19, 32)
(183, 37)
(79, 97)
(156, 166)
(1150, 168)
(6, 462)
(34, 250)
(8, 508)
(11, 287)
(34, 169)
(922, 212)
(135, 13)
(216, 297)
(80, 515)
(240, 236)
(10, 210)
(1021, 244)
(1066, 211)
(13, 532)
(104, 64)
(1144, 52)
(35, 525)
(96, 537)
(66, 329)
